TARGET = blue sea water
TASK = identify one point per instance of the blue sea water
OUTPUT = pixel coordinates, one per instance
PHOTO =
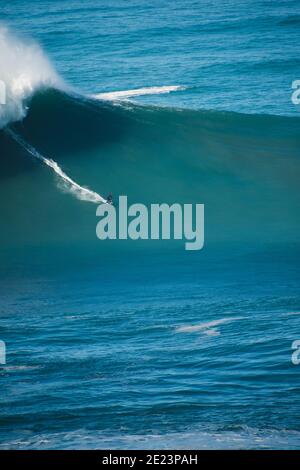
(237, 55)
(144, 345)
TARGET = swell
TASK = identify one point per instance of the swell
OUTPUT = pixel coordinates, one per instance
(245, 168)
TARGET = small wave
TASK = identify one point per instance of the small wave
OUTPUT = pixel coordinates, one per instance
(207, 327)
(84, 194)
(125, 94)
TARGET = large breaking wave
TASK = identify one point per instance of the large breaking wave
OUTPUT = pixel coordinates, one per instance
(25, 70)
(245, 168)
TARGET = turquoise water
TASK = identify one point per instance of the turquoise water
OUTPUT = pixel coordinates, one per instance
(142, 344)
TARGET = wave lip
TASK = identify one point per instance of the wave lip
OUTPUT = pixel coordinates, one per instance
(24, 69)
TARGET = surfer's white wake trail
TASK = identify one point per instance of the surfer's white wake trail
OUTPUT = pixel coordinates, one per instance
(84, 194)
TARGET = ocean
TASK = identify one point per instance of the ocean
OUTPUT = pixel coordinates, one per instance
(140, 344)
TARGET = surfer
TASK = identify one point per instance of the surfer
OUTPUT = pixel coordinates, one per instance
(109, 199)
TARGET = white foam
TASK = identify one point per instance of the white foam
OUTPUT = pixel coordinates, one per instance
(24, 68)
(125, 94)
(18, 368)
(212, 332)
(195, 437)
(82, 193)
(207, 327)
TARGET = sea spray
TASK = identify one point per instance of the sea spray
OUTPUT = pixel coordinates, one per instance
(24, 69)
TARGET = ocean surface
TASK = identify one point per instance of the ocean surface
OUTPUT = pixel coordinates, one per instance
(141, 344)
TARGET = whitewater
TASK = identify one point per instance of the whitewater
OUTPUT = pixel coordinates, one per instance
(24, 69)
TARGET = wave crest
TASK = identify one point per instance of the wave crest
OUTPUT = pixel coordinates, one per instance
(24, 69)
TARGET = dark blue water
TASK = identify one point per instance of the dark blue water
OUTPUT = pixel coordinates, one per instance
(234, 55)
(149, 346)
(105, 356)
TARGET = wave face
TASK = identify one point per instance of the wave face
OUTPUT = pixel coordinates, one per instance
(244, 168)
(83, 194)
